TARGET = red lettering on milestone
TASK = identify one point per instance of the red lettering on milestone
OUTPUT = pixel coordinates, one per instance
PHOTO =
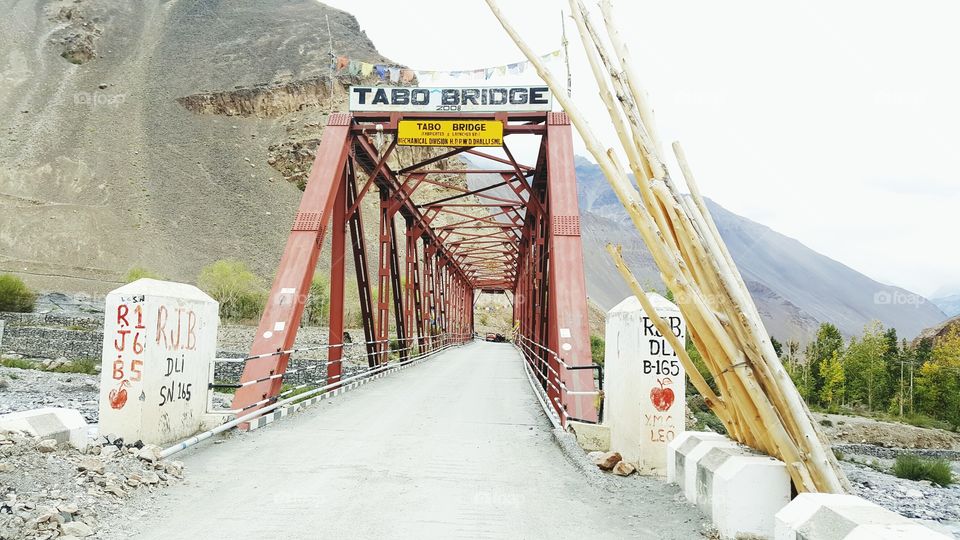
(162, 326)
(123, 340)
(191, 330)
(139, 310)
(122, 311)
(137, 344)
(175, 337)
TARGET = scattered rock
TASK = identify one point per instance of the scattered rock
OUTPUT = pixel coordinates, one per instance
(149, 453)
(47, 445)
(174, 468)
(69, 508)
(608, 460)
(92, 464)
(622, 468)
(102, 86)
(77, 528)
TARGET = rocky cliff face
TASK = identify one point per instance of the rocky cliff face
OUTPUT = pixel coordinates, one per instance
(152, 132)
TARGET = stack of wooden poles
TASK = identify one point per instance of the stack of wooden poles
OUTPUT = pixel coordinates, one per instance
(756, 399)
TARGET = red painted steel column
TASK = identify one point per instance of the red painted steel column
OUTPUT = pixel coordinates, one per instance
(337, 271)
(569, 328)
(383, 281)
(281, 316)
(410, 252)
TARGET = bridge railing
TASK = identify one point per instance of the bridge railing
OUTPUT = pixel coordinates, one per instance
(536, 358)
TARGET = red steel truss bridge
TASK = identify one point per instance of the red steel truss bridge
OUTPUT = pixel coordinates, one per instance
(518, 235)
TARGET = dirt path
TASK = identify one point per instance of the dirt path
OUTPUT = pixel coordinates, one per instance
(454, 448)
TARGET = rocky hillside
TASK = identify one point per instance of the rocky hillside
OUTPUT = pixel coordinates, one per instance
(795, 288)
(940, 331)
(158, 134)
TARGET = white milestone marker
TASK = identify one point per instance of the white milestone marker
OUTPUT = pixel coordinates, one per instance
(644, 383)
(158, 342)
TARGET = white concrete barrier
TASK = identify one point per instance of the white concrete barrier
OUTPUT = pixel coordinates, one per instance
(63, 425)
(675, 460)
(688, 461)
(644, 398)
(741, 491)
(159, 339)
(820, 516)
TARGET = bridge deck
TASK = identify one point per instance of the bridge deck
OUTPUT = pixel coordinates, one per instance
(456, 447)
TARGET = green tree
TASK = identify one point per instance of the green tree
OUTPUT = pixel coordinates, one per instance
(893, 360)
(15, 295)
(798, 369)
(139, 272)
(777, 346)
(829, 342)
(235, 287)
(865, 367)
(938, 384)
(597, 349)
(833, 381)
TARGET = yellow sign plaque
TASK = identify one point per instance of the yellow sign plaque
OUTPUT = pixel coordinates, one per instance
(450, 133)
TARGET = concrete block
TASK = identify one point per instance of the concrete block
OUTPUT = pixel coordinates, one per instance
(688, 457)
(674, 446)
(643, 383)
(591, 437)
(64, 425)
(159, 340)
(741, 491)
(820, 516)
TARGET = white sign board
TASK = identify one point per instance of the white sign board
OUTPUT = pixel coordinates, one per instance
(644, 383)
(159, 339)
(469, 99)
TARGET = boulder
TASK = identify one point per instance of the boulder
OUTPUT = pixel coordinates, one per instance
(608, 460)
(623, 469)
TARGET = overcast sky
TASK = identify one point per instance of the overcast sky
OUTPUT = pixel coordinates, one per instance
(835, 123)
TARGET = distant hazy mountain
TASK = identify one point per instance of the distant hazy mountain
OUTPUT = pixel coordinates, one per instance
(949, 304)
(794, 287)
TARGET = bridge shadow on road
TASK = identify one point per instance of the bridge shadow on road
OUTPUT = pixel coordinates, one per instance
(456, 447)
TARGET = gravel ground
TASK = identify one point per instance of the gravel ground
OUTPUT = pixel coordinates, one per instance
(913, 499)
(25, 389)
(49, 491)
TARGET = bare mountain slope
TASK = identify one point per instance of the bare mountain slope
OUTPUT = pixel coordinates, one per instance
(795, 288)
(138, 133)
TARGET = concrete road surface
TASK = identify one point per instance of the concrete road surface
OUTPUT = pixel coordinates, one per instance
(456, 447)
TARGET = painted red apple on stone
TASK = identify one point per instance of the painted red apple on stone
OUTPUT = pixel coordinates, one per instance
(662, 398)
(118, 396)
